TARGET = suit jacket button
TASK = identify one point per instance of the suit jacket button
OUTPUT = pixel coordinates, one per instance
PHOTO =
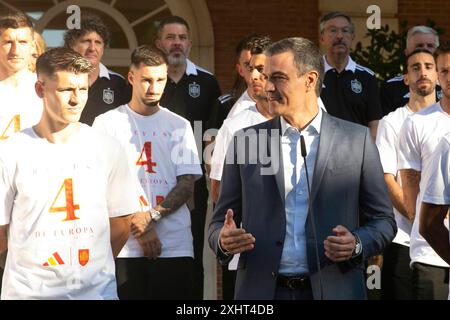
(279, 243)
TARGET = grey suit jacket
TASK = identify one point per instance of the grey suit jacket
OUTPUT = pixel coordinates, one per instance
(348, 188)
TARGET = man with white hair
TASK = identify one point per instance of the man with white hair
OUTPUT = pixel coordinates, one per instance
(350, 91)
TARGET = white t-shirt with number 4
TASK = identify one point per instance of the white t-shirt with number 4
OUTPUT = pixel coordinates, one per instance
(160, 147)
(57, 200)
(20, 107)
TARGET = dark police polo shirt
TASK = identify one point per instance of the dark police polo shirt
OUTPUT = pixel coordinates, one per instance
(351, 95)
(193, 96)
(109, 91)
(220, 110)
(394, 93)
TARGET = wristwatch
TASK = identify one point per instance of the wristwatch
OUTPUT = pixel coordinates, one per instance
(358, 246)
(155, 214)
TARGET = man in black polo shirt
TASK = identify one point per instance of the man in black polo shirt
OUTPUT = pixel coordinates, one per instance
(107, 89)
(190, 92)
(394, 92)
(349, 91)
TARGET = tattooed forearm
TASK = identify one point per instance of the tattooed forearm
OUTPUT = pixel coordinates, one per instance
(410, 185)
(178, 196)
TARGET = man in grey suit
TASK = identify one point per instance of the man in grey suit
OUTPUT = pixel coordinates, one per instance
(292, 245)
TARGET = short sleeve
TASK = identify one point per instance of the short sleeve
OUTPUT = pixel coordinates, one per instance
(220, 149)
(437, 184)
(409, 151)
(123, 195)
(185, 153)
(387, 146)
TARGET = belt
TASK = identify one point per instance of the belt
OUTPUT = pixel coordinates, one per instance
(294, 282)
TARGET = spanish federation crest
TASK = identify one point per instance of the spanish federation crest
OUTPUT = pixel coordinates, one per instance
(108, 96)
(194, 90)
(83, 256)
(356, 86)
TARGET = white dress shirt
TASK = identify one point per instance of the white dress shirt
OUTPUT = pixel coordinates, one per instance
(294, 257)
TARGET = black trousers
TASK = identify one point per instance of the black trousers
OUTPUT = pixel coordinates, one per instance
(198, 218)
(228, 282)
(430, 282)
(160, 279)
(396, 274)
(282, 293)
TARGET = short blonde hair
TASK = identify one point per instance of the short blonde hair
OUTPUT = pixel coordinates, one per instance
(39, 48)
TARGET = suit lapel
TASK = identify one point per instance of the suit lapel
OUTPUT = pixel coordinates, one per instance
(326, 141)
(278, 170)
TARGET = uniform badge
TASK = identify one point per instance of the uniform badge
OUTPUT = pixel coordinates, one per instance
(83, 256)
(108, 96)
(194, 90)
(356, 86)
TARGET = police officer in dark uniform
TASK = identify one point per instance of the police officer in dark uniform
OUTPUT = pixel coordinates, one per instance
(220, 109)
(107, 89)
(190, 92)
(394, 92)
(349, 91)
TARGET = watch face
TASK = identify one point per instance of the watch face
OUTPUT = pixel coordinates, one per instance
(358, 248)
(156, 215)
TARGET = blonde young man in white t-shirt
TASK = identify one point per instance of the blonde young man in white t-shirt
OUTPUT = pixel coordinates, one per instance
(65, 194)
(418, 138)
(20, 107)
(420, 76)
(157, 261)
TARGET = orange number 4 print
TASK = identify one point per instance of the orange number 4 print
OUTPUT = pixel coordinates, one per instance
(147, 149)
(16, 121)
(70, 206)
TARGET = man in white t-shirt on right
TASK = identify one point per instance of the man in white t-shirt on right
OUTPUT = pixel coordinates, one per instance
(420, 75)
(160, 145)
(418, 139)
(436, 200)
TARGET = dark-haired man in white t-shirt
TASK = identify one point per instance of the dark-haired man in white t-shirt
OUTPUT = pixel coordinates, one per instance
(420, 76)
(157, 261)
